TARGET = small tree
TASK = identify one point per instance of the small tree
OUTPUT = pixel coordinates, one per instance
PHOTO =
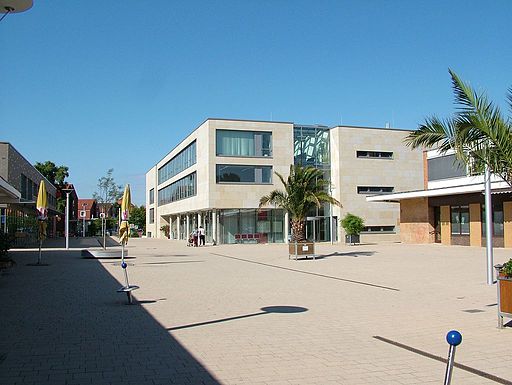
(138, 217)
(108, 191)
(353, 225)
(304, 190)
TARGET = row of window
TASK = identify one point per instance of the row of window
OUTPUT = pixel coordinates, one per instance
(460, 220)
(29, 190)
(183, 188)
(183, 160)
(243, 143)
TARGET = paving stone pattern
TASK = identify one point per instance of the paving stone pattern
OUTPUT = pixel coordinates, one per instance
(245, 314)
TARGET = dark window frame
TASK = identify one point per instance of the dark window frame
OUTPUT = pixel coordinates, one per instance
(379, 229)
(261, 167)
(371, 154)
(259, 152)
(375, 190)
(459, 211)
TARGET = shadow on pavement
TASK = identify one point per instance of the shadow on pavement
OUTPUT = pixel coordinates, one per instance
(264, 310)
(354, 254)
(66, 324)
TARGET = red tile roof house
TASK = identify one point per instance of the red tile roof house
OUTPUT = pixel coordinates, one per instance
(90, 206)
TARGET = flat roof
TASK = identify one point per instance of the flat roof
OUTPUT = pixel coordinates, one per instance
(444, 191)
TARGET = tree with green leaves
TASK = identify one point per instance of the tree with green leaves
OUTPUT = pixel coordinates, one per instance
(55, 174)
(108, 191)
(138, 217)
(478, 133)
(304, 190)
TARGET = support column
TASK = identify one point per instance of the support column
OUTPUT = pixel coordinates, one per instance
(286, 226)
(215, 236)
(178, 227)
(507, 224)
(446, 226)
(475, 225)
(199, 220)
(187, 231)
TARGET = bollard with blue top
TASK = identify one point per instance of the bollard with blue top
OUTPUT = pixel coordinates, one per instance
(453, 338)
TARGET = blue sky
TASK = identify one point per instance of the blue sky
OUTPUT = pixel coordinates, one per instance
(117, 84)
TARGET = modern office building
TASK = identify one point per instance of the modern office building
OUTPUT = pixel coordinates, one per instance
(216, 176)
(450, 209)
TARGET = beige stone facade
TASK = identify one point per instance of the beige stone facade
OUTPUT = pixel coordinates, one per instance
(347, 171)
(402, 171)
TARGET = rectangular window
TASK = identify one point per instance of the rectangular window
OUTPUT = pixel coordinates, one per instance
(497, 219)
(374, 189)
(375, 154)
(243, 143)
(445, 167)
(460, 220)
(151, 215)
(183, 188)
(183, 160)
(23, 186)
(378, 229)
(151, 196)
(227, 173)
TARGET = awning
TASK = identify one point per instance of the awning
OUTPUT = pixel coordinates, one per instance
(502, 187)
(8, 194)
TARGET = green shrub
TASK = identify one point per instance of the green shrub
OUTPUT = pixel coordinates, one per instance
(507, 268)
(5, 243)
(352, 224)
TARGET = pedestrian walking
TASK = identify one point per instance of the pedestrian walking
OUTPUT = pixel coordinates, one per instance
(195, 235)
(202, 236)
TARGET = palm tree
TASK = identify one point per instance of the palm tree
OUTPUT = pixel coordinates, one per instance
(478, 133)
(304, 189)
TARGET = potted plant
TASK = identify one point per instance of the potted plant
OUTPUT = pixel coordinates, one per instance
(504, 276)
(353, 225)
(166, 229)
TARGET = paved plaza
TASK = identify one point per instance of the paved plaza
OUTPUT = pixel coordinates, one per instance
(246, 314)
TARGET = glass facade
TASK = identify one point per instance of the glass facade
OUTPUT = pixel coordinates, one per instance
(251, 226)
(183, 188)
(227, 173)
(151, 196)
(183, 160)
(311, 148)
(151, 215)
(243, 143)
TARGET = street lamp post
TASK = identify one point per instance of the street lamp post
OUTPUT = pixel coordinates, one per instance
(66, 230)
(84, 205)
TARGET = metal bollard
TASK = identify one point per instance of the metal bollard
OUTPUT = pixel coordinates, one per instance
(454, 338)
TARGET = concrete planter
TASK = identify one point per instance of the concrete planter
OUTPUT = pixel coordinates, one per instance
(352, 239)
